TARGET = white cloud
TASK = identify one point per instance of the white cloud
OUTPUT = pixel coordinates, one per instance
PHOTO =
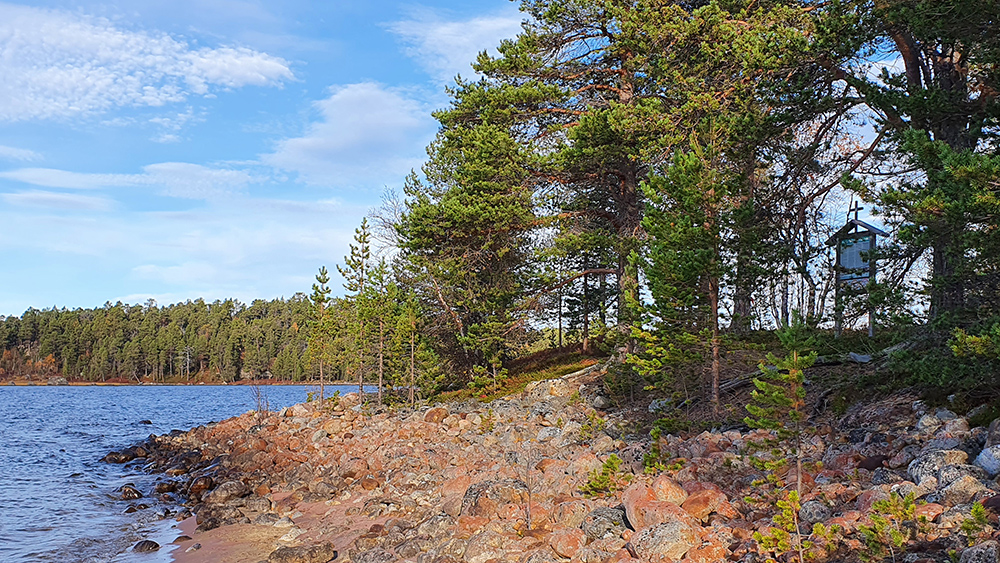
(448, 48)
(239, 247)
(171, 124)
(58, 64)
(14, 153)
(193, 181)
(174, 179)
(166, 138)
(52, 178)
(56, 200)
(367, 135)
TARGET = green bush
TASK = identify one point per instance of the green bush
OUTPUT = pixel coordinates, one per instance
(605, 480)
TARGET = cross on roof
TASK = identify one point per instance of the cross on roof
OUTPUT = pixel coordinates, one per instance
(855, 208)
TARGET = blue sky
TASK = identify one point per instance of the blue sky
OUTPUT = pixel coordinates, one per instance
(211, 148)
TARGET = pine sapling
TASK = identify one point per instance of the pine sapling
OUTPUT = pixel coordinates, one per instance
(779, 401)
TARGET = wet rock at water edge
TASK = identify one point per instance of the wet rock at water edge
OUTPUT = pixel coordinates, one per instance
(129, 492)
(118, 457)
(199, 486)
(146, 546)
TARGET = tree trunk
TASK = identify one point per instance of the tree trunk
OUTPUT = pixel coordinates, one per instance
(586, 316)
(713, 296)
(413, 362)
(947, 283)
(601, 310)
(381, 362)
(783, 321)
(361, 363)
(560, 319)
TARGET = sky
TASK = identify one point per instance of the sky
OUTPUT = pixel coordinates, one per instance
(211, 148)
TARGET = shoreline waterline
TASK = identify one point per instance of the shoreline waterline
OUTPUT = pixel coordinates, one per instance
(61, 502)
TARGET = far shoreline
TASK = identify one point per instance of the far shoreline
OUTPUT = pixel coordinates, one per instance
(245, 383)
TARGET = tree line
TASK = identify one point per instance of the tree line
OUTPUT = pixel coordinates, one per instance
(223, 340)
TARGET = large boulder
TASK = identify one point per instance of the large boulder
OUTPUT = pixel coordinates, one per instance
(484, 546)
(146, 546)
(951, 473)
(703, 503)
(813, 511)
(986, 552)
(961, 491)
(667, 490)
(603, 523)
(667, 540)
(483, 499)
(989, 459)
(643, 509)
(928, 464)
(322, 553)
(568, 542)
(226, 492)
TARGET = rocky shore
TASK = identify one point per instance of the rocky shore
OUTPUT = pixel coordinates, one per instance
(506, 481)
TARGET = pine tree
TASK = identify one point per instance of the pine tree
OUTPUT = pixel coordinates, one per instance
(319, 336)
(779, 399)
(355, 273)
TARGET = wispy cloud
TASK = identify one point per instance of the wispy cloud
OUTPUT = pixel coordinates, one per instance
(174, 179)
(14, 153)
(241, 248)
(446, 48)
(57, 200)
(366, 135)
(58, 64)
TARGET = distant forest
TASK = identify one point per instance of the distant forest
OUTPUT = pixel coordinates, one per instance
(225, 340)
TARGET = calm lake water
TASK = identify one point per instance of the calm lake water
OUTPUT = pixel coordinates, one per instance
(57, 501)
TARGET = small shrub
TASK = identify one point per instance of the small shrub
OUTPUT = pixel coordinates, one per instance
(605, 480)
(975, 527)
(652, 460)
(893, 525)
(487, 423)
(986, 416)
(784, 537)
(590, 428)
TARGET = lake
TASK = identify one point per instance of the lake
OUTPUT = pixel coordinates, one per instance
(57, 501)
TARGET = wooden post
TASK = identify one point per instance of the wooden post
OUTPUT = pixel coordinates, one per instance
(838, 307)
(871, 284)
